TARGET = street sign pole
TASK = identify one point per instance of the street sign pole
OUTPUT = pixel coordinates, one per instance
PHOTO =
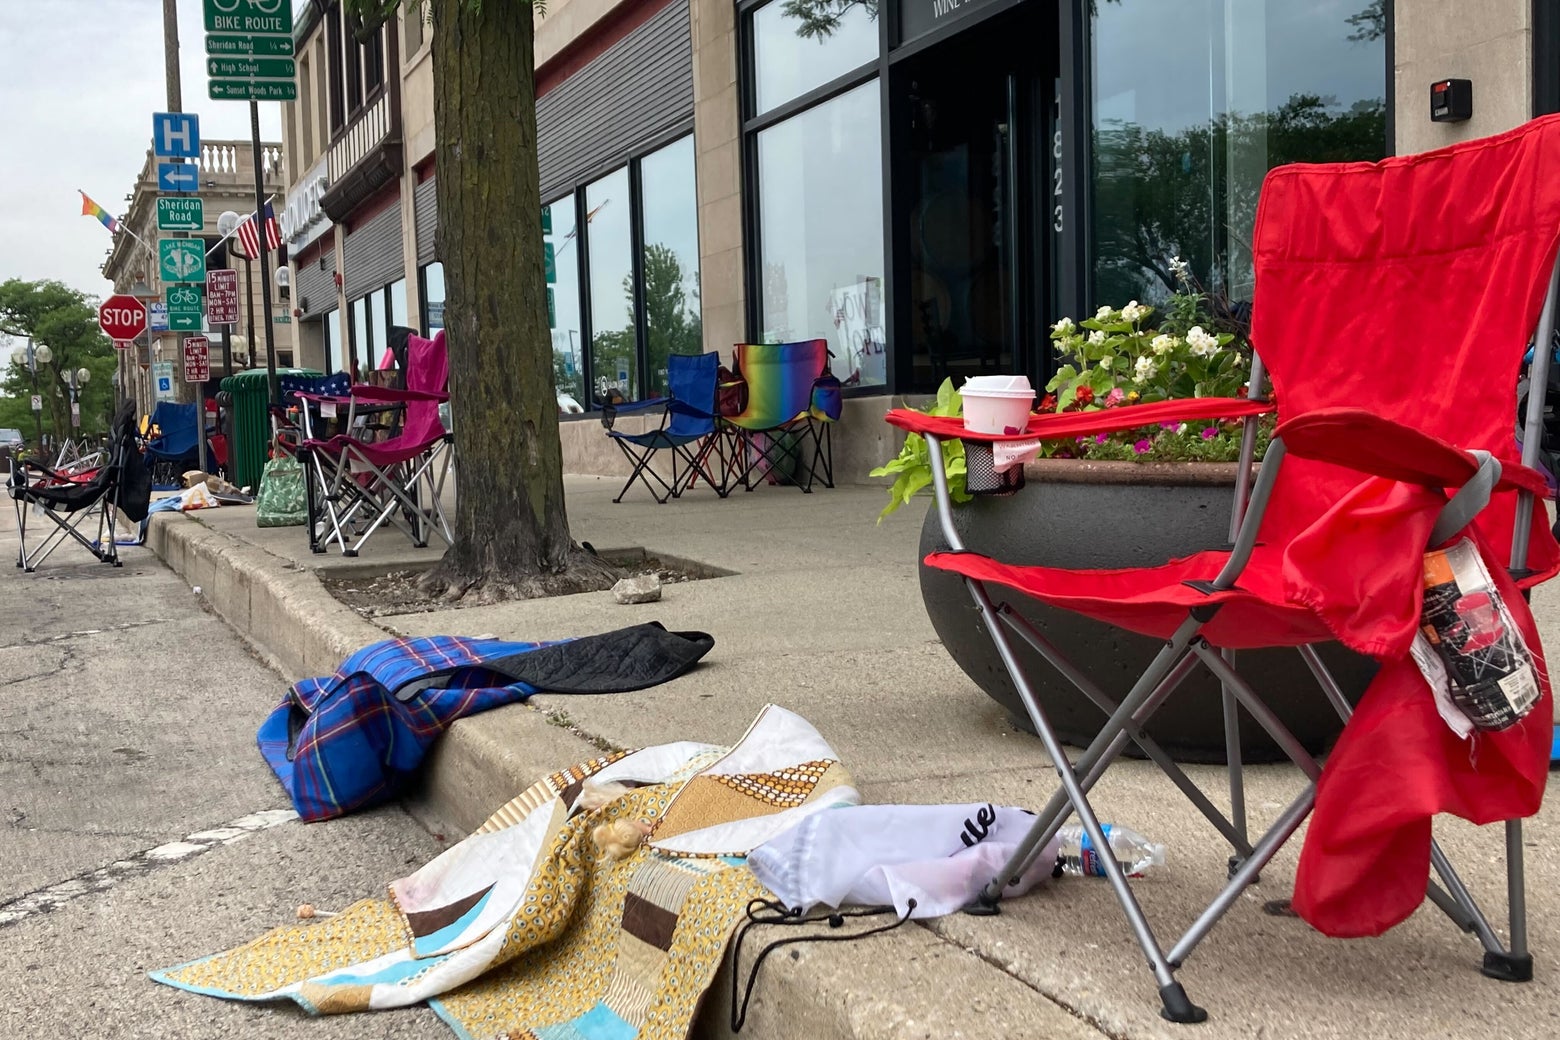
(265, 266)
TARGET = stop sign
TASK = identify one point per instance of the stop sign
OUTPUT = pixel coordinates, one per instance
(122, 318)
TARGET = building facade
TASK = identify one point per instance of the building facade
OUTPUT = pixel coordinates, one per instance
(926, 184)
(227, 183)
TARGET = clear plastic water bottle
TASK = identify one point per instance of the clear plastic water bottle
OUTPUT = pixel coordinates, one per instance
(1076, 854)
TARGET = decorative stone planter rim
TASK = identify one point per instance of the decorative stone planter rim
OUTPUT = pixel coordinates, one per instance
(1091, 471)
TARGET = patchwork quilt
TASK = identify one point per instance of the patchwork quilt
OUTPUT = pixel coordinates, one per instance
(526, 930)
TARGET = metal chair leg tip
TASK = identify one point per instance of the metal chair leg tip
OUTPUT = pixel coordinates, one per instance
(1507, 967)
(1179, 1007)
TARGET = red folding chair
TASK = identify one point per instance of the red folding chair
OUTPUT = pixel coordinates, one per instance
(1394, 304)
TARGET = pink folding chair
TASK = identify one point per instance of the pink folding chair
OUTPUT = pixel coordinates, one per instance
(397, 482)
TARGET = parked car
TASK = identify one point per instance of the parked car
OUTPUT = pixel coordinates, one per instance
(10, 445)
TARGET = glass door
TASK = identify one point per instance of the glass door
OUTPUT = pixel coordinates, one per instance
(969, 136)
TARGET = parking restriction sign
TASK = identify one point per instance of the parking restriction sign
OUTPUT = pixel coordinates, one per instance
(197, 360)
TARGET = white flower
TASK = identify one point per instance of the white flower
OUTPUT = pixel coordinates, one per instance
(1135, 312)
(1097, 338)
(1180, 268)
(1063, 327)
(1144, 370)
(1202, 343)
(1162, 344)
(1240, 361)
(1106, 363)
(1103, 314)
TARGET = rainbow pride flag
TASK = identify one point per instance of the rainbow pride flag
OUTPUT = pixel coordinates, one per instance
(92, 209)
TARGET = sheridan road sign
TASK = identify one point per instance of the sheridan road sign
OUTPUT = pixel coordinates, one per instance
(177, 213)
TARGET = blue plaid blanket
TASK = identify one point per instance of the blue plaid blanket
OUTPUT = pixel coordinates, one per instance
(350, 740)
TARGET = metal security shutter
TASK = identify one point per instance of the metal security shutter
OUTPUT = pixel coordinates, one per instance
(638, 88)
(371, 255)
(426, 204)
(315, 291)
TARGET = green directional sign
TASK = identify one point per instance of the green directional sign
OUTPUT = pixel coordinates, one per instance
(253, 90)
(226, 45)
(181, 260)
(185, 308)
(252, 68)
(250, 17)
(176, 213)
(550, 262)
(552, 309)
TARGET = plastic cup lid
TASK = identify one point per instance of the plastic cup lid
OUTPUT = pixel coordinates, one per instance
(997, 386)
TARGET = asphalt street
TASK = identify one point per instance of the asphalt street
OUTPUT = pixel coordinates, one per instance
(139, 827)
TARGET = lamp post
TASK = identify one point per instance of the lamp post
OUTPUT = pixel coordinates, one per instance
(78, 382)
(32, 366)
(45, 356)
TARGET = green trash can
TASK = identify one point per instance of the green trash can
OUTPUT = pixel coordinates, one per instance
(252, 421)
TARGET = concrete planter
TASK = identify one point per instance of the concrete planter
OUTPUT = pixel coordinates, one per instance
(1120, 514)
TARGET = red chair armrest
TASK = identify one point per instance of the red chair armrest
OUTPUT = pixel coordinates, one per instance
(1068, 425)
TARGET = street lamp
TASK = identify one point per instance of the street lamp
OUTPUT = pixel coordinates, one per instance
(227, 223)
(78, 383)
(41, 356)
(241, 349)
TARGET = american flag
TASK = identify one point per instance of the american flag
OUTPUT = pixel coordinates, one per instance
(249, 238)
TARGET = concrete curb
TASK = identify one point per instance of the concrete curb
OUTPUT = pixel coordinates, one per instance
(895, 986)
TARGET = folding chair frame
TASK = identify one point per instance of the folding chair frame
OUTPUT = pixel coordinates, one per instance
(399, 488)
(1181, 654)
(763, 458)
(67, 525)
(695, 464)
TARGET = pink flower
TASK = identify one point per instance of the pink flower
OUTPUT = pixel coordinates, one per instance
(1142, 447)
(1101, 438)
(1114, 398)
(1168, 425)
(1210, 433)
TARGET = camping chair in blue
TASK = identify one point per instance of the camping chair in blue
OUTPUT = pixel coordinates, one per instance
(688, 430)
(174, 449)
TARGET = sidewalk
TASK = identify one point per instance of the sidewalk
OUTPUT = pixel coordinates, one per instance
(824, 616)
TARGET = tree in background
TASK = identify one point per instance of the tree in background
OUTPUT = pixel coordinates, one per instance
(64, 320)
(672, 326)
(1153, 199)
(511, 531)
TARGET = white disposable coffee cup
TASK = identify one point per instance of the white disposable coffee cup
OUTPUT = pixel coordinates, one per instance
(997, 404)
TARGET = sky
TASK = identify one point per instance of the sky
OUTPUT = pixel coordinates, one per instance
(81, 80)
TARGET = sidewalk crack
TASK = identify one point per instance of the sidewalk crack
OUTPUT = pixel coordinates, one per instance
(1086, 1019)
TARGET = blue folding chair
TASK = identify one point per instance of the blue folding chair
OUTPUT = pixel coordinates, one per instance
(688, 430)
(174, 449)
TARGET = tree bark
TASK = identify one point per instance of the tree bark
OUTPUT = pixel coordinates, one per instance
(511, 531)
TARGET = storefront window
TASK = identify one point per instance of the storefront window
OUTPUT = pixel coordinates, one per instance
(670, 203)
(1193, 102)
(433, 297)
(609, 242)
(361, 360)
(820, 203)
(796, 50)
(331, 325)
(560, 230)
(378, 330)
(396, 291)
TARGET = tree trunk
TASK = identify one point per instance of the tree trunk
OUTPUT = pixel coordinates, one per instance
(511, 533)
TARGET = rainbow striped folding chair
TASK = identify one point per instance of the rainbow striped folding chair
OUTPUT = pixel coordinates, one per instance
(792, 400)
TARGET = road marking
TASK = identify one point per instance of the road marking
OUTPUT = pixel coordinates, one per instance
(51, 898)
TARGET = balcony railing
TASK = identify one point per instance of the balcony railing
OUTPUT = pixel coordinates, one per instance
(236, 159)
(366, 133)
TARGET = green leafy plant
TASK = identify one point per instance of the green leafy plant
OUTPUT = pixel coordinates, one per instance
(912, 470)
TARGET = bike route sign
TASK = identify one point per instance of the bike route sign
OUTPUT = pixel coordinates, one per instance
(250, 47)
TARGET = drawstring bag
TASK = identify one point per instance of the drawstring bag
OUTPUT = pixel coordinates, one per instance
(283, 500)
